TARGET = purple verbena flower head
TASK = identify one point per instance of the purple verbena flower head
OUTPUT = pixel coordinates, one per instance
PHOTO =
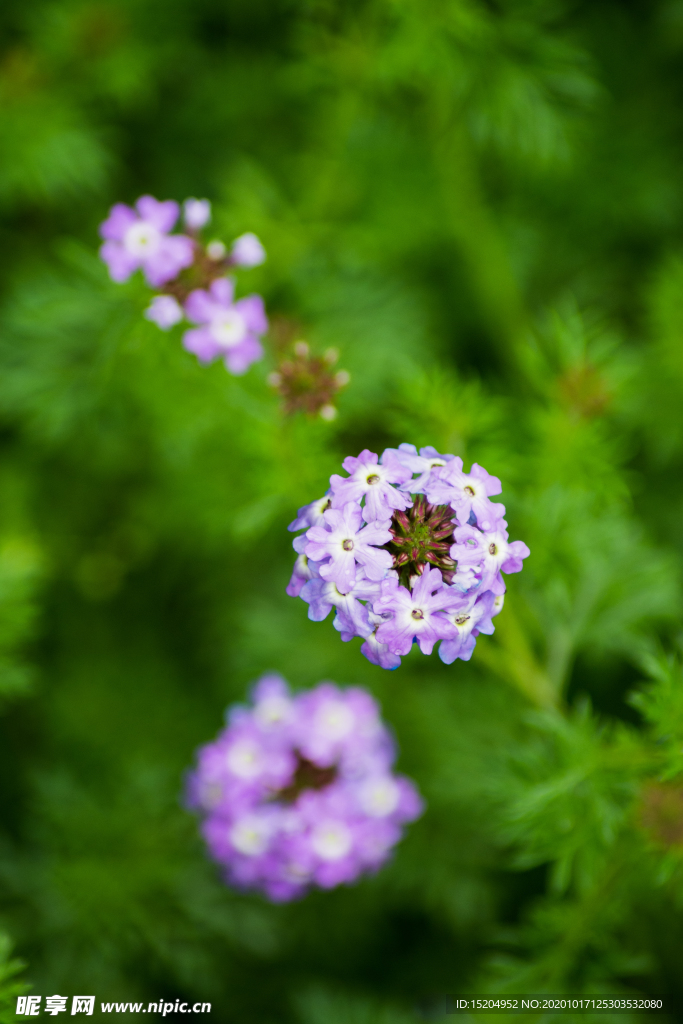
(419, 572)
(196, 213)
(247, 251)
(139, 239)
(299, 791)
(229, 329)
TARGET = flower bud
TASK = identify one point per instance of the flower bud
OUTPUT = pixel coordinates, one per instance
(196, 213)
(247, 251)
(216, 250)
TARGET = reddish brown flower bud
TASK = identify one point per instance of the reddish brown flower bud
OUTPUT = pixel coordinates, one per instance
(422, 535)
(307, 383)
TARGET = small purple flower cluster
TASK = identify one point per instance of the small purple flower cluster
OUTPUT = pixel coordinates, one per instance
(425, 566)
(299, 791)
(191, 278)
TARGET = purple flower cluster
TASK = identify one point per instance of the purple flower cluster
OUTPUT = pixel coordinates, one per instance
(192, 278)
(425, 566)
(298, 791)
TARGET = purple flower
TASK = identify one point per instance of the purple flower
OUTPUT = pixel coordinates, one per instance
(247, 251)
(417, 613)
(196, 213)
(343, 542)
(304, 570)
(406, 577)
(140, 239)
(472, 618)
(467, 493)
(372, 481)
(311, 515)
(229, 329)
(423, 464)
(353, 617)
(334, 725)
(488, 553)
(164, 311)
(299, 791)
(379, 654)
(273, 705)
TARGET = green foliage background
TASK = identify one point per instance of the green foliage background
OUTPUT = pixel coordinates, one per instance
(480, 203)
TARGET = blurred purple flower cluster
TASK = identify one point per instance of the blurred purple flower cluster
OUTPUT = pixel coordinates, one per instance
(407, 549)
(298, 791)
(191, 277)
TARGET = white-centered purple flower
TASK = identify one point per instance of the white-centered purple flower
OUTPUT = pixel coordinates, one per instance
(299, 791)
(422, 464)
(247, 251)
(471, 619)
(416, 614)
(418, 572)
(373, 482)
(196, 213)
(488, 554)
(164, 311)
(467, 493)
(353, 617)
(139, 239)
(229, 329)
(340, 544)
(311, 515)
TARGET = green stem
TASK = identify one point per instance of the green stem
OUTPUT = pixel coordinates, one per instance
(511, 657)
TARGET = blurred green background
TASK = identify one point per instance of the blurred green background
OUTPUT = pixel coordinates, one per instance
(480, 203)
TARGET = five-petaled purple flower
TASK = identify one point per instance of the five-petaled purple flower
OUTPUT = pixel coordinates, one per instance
(353, 618)
(422, 464)
(473, 616)
(489, 553)
(467, 493)
(426, 567)
(299, 791)
(341, 544)
(417, 614)
(139, 238)
(229, 329)
(373, 482)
